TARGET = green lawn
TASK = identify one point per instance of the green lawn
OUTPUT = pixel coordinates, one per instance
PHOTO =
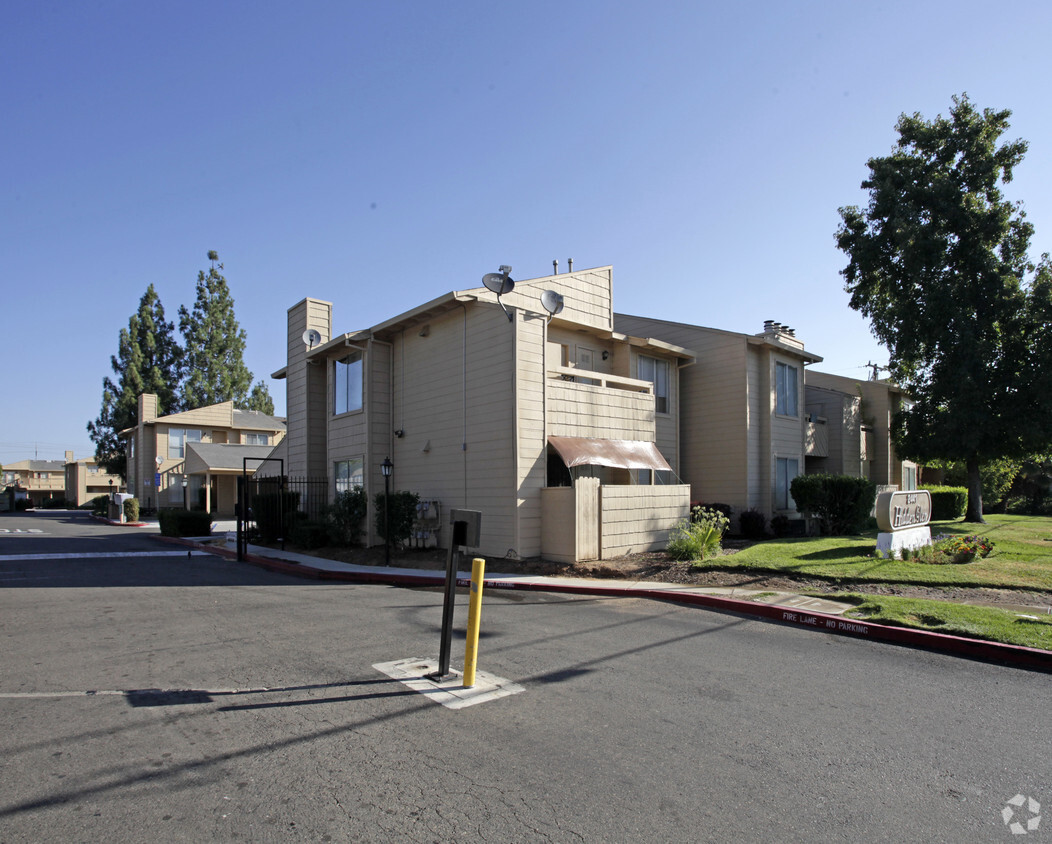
(1031, 630)
(1021, 559)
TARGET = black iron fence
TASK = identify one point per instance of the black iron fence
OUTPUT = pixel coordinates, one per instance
(269, 506)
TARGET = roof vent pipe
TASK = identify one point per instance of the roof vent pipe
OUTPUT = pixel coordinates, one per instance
(555, 266)
(569, 264)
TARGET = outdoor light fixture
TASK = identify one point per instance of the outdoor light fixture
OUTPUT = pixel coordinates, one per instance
(186, 482)
(385, 470)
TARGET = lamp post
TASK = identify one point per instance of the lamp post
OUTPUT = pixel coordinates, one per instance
(385, 469)
(185, 484)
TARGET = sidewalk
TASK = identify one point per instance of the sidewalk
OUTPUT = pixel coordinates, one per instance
(784, 607)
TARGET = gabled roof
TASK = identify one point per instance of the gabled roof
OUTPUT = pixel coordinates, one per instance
(224, 458)
(256, 420)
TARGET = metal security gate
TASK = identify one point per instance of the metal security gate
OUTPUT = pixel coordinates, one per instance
(269, 507)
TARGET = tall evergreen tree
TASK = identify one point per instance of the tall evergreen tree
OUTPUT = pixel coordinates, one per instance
(147, 361)
(260, 399)
(214, 345)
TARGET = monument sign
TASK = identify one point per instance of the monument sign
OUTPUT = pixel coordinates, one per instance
(902, 518)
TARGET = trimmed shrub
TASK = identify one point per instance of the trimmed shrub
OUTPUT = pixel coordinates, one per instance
(401, 514)
(947, 502)
(780, 526)
(346, 515)
(97, 505)
(308, 534)
(54, 504)
(131, 510)
(275, 513)
(840, 503)
(753, 524)
(179, 522)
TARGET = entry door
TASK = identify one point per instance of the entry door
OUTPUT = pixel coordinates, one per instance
(586, 360)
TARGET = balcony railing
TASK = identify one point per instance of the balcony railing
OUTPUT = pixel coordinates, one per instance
(582, 403)
(600, 379)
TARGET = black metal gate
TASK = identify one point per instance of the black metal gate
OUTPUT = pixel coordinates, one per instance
(270, 506)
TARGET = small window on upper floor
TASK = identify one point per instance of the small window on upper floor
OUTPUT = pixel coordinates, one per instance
(347, 383)
(787, 390)
(178, 439)
(657, 372)
(254, 438)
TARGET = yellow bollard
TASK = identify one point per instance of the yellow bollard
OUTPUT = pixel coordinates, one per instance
(471, 647)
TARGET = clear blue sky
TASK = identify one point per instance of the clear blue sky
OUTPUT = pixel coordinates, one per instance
(379, 154)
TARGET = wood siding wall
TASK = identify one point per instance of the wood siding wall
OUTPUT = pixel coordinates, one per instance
(638, 518)
(305, 390)
(587, 297)
(581, 410)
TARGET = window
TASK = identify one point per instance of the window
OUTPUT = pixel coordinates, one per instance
(655, 371)
(349, 474)
(909, 477)
(787, 389)
(177, 440)
(347, 383)
(787, 469)
(252, 438)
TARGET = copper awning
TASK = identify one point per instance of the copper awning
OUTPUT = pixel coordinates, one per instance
(620, 454)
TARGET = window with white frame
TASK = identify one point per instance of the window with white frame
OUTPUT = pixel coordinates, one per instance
(909, 477)
(347, 383)
(785, 378)
(787, 468)
(254, 438)
(178, 439)
(349, 474)
(657, 372)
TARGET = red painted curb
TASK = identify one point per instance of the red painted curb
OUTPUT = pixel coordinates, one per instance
(1019, 656)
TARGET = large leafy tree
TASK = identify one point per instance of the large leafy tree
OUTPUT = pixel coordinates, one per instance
(147, 361)
(938, 261)
(213, 344)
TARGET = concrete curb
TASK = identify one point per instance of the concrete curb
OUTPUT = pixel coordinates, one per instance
(1017, 656)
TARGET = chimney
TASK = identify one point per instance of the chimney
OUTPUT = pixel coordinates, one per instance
(569, 265)
(555, 267)
(69, 456)
(147, 408)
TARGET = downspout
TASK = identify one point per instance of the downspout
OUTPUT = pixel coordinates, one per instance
(515, 438)
(464, 400)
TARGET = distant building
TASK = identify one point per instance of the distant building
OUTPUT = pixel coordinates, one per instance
(206, 448)
(42, 480)
(85, 480)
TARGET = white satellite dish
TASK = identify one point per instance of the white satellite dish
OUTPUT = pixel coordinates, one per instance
(311, 337)
(500, 283)
(552, 302)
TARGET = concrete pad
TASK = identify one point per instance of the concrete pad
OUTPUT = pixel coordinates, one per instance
(450, 693)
